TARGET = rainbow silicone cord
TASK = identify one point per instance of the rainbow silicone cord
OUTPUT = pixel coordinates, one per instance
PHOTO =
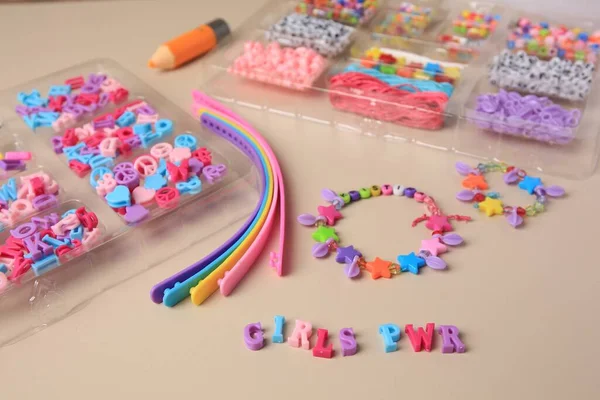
(235, 260)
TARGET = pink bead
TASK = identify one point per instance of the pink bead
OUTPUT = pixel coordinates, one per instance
(534, 32)
(145, 118)
(523, 22)
(387, 190)
(549, 40)
(91, 237)
(3, 281)
(7, 217)
(161, 150)
(419, 197)
(106, 185)
(17, 155)
(519, 43)
(108, 147)
(579, 45)
(66, 224)
(179, 154)
(21, 208)
(301, 335)
(591, 58)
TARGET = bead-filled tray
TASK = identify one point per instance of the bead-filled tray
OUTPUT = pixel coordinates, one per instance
(430, 72)
(117, 172)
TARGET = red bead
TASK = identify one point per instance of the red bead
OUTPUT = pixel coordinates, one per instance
(415, 65)
(55, 103)
(521, 211)
(69, 138)
(48, 232)
(510, 168)
(124, 133)
(479, 197)
(37, 186)
(88, 219)
(443, 78)
(95, 139)
(86, 99)
(75, 83)
(119, 95)
(20, 267)
(79, 168)
(124, 148)
(204, 155)
(178, 173)
(61, 250)
(387, 59)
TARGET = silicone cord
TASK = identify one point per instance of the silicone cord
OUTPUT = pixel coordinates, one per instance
(276, 260)
(181, 290)
(231, 277)
(229, 260)
(158, 291)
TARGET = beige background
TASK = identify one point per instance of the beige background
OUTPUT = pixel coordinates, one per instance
(525, 301)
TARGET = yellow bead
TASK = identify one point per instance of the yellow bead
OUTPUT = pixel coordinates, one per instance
(452, 72)
(374, 52)
(375, 191)
(421, 75)
(1, 156)
(576, 31)
(401, 61)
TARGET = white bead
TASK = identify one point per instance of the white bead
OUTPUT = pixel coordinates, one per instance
(398, 190)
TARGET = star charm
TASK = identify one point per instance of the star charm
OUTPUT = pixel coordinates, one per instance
(491, 207)
(379, 268)
(411, 263)
(434, 246)
(330, 214)
(529, 184)
(475, 182)
(323, 233)
(438, 223)
(346, 254)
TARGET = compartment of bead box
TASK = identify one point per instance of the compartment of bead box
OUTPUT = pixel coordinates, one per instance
(418, 19)
(27, 193)
(46, 240)
(556, 136)
(282, 24)
(471, 24)
(350, 12)
(125, 247)
(407, 83)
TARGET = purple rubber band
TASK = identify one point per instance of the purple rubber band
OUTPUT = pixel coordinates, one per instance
(157, 292)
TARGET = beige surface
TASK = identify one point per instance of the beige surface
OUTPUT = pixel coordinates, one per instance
(525, 301)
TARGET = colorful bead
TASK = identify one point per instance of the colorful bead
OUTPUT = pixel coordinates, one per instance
(386, 189)
(398, 190)
(375, 191)
(410, 192)
(365, 193)
(354, 195)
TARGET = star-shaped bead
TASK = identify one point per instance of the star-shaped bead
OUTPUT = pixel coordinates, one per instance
(434, 246)
(529, 183)
(438, 223)
(330, 213)
(491, 207)
(379, 268)
(410, 262)
(346, 254)
(323, 233)
(475, 182)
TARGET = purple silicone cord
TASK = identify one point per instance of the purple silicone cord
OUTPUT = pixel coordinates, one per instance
(157, 292)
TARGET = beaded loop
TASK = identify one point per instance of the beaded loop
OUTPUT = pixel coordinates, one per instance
(490, 203)
(329, 242)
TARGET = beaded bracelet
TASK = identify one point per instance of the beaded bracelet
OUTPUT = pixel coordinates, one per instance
(489, 202)
(329, 241)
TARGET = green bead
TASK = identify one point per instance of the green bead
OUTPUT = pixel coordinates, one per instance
(388, 69)
(543, 32)
(543, 51)
(539, 207)
(580, 55)
(365, 193)
(530, 211)
(345, 197)
(532, 45)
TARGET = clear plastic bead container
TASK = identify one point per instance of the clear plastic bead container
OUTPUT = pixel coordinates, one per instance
(120, 248)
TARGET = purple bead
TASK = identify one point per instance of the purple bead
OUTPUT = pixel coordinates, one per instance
(86, 150)
(57, 144)
(253, 336)
(127, 177)
(44, 201)
(108, 122)
(12, 165)
(103, 100)
(410, 192)
(146, 110)
(90, 88)
(22, 110)
(347, 342)
(24, 230)
(123, 165)
(134, 141)
(96, 79)
(450, 340)
(195, 166)
(354, 195)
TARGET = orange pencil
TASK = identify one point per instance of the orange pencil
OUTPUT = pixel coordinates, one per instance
(190, 45)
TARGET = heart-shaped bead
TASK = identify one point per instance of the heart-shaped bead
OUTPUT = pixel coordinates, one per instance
(119, 197)
(135, 213)
(141, 195)
(155, 182)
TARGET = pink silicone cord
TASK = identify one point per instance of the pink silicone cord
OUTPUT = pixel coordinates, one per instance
(234, 276)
